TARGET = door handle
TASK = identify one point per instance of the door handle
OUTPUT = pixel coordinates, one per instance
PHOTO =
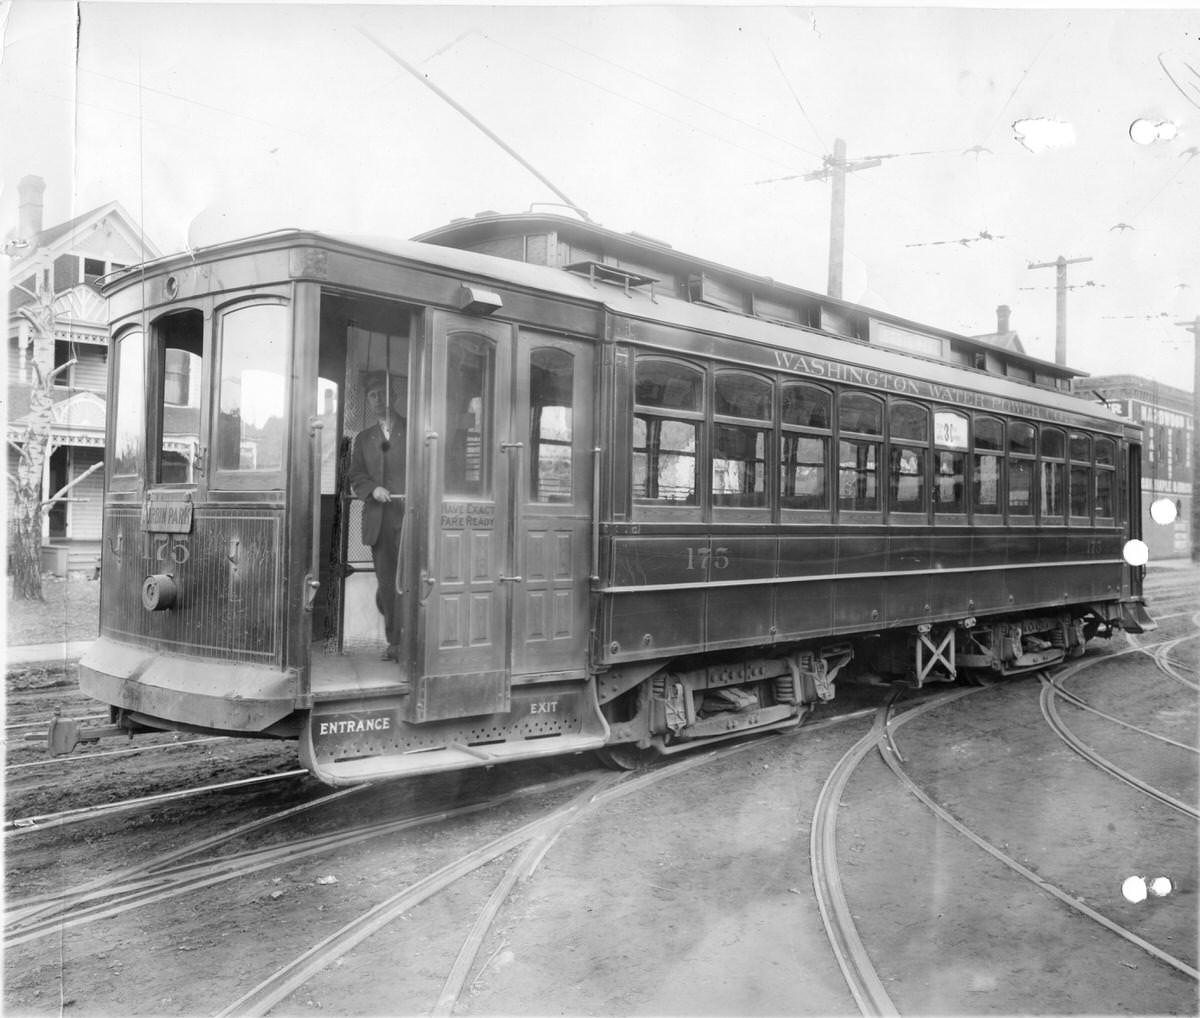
(510, 579)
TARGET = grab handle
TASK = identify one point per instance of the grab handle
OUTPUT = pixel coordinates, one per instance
(429, 573)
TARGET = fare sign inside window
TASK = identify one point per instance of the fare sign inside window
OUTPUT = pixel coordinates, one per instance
(950, 430)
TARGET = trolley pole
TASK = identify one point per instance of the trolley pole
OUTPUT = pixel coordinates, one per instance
(1194, 328)
(1060, 323)
(836, 168)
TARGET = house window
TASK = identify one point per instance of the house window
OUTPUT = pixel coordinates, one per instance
(93, 269)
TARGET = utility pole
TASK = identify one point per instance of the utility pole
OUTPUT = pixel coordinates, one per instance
(1060, 325)
(1194, 328)
(836, 167)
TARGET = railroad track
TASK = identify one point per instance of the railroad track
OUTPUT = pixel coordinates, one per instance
(895, 765)
(858, 969)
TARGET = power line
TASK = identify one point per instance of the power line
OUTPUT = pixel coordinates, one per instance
(629, 99)
(424, 80)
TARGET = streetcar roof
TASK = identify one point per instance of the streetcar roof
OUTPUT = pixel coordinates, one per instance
(635, 302)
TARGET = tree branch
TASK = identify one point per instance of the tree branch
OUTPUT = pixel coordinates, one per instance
(58, 495)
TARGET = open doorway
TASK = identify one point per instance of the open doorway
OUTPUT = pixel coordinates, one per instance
(362, 342)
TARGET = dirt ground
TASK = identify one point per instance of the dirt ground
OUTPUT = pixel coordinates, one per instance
(69, 612)
(693, 897)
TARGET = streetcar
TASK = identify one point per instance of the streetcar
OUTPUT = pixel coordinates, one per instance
(649, 502)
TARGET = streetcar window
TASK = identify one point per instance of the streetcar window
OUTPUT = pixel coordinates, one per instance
(251, 429)
(909, 420)
(470, 364)
(805, 406)
(987, 465)
(669, 386)
(1080, 446)
(180, 339)
(551, 385)
(950, 462)
(906, 473)
(739, 458)
(1022, 439)
(1106, 461)
(666, 427)
(908, 427)
(129, 420)
(1020, 487)
(806, 415)
(1053, 497)
(858, 457)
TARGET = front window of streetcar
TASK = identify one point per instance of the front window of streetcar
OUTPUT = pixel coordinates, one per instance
(251, 425)
(129, 416)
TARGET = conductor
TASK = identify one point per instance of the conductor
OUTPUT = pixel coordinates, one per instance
(377, 465)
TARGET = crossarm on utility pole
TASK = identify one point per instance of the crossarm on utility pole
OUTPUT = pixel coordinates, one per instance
(836, 168)
(1060, 322)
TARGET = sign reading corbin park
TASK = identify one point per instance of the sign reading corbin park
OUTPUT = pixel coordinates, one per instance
(167, 517)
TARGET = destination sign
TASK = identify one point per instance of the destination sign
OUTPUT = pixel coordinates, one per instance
(162, 516)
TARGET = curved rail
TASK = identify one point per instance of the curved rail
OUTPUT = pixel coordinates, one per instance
(47, 821)
(1024, 871)
(864, 982)
(1050, 712)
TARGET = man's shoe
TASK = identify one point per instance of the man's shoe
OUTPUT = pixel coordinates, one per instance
(391, 654)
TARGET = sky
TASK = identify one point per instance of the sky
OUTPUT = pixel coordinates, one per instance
(1005, 139)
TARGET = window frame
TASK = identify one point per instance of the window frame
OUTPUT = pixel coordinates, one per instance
(1089, 486)
(805, 514)
(765, 426)
(156, 399)
(136, 481)
(644, 507)
(978, 516)
(1046, 461)
(1011, 457)
(225, 480)
(919, 445)
(851, 514)
(1109, 470)
(959, 516)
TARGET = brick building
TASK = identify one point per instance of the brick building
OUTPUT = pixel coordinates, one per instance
(1167, 414)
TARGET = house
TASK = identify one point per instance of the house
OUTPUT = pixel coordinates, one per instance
(66, 260)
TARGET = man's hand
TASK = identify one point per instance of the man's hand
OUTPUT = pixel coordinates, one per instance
(381, 494)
